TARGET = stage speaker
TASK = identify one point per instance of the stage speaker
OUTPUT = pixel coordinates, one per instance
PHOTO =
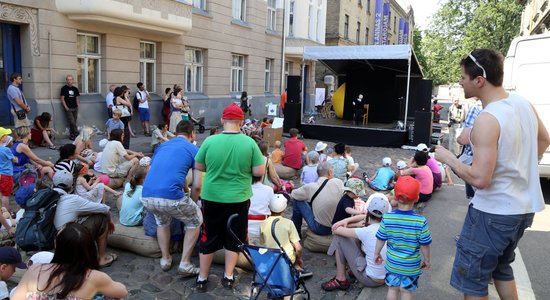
(292, 116)
(422, 127)
(424, 95)
(293, 89)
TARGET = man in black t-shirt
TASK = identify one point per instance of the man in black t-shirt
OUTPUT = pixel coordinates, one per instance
(70, 101)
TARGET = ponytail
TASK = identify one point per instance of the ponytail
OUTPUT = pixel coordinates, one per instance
(137, 179)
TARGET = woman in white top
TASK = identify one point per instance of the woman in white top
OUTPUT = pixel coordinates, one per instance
(176, 104)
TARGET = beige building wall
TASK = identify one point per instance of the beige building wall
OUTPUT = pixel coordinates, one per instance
(49, 51)
(535, 18)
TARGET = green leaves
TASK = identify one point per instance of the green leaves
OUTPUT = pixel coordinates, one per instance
(458, 27)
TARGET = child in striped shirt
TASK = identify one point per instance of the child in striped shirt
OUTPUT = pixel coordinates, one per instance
(406, 234)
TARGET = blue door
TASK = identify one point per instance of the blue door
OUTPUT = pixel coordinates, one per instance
(10, 61)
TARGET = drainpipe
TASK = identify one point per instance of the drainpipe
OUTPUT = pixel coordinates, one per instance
(50, 71)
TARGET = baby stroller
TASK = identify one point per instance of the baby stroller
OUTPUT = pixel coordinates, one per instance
(273, 270)
(198, 122)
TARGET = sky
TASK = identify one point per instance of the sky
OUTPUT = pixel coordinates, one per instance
(423, 9)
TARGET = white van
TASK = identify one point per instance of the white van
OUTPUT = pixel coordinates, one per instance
(527, 73)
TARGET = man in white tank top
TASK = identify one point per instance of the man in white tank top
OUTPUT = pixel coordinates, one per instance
(507, 139)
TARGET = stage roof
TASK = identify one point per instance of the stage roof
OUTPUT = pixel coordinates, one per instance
(340, 59)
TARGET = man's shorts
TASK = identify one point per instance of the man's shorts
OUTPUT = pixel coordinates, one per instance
(143, 114)
(485, 250)
(214, 235)
(184, 209)
(122, 169)
(95, 223)
(6, 185)
(409, 283)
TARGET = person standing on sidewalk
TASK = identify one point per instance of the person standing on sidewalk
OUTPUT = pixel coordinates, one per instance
(19, 106)
(507, 138)
(230, 159)
(464, 139)
(70, 101)
(143, 97)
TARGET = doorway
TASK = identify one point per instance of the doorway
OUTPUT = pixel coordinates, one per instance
(10, 61)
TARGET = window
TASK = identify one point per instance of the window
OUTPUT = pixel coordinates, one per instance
(200, 4)
(359, 3)
(194, 65)
(288, 67)
(366, 36)
(147, 62)
(368, 6)
(237, 73)
(346, 26)
(358, 33)
(239, 10)
(312, 20)
(389, 20)
(87, 72)
(271, 15)
(267, 77)
(394, 23)
(291, 19)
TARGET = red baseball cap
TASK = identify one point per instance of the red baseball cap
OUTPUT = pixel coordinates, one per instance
(407, 189)
(233, 112)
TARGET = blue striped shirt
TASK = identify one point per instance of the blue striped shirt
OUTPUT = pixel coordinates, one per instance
(404, 233)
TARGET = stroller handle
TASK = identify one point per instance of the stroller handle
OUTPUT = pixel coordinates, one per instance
(230, 229)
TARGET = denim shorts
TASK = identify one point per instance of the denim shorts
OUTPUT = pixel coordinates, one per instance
(143, 114)
(485, 250)
(409, 283)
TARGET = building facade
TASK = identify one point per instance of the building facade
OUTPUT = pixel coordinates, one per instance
(214, 49)
(535, 18)
(366, 22)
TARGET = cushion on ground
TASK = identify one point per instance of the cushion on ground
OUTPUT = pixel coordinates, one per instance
(134, 240)
(116, 183)
(287, 173)
(317, 243)
(219, 258)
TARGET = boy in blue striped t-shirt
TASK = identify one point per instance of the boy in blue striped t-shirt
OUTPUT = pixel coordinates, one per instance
(406, 234)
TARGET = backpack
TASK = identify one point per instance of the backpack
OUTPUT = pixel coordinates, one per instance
(136, 100)
(36, 231)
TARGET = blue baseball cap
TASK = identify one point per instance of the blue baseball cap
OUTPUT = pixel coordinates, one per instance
(9, 255)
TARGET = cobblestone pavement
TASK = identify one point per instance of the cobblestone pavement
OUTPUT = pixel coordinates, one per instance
(145, 280)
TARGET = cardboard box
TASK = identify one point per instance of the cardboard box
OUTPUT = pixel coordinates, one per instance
(273, 134)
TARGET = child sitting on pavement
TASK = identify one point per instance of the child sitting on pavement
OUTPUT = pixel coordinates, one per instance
(320, 148)
(423, 174)
(351, 161)
(89, 186)
(359, 257)
(258, 210)
(405, 234)
(309, 172)
(277, 154)
(353, 189)
(114, 122)
(383, 178)
(160, 135)
(286, 234)
(401, 165)
(132, 211)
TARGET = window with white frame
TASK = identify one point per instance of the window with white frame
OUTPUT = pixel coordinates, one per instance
(267, 76)
(200, 4)
(271, 14)
(288, 67)
(88, 61)
(147, 64)
(237, 73)
(346, 26)
(291, 19)
(239, 10)
(312, 20)
(366, 36)
(358, 33)
(194, 66)
(320, 20)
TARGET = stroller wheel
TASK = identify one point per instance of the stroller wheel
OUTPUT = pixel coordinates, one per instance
(201, 128)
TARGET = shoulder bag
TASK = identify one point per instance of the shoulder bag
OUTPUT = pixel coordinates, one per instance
(317, 192)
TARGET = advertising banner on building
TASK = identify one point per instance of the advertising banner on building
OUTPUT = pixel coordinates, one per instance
(377, 21)
(406, 33)
(385, 24)
(401, 31)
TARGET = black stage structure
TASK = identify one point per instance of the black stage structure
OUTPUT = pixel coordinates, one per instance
(390, 79)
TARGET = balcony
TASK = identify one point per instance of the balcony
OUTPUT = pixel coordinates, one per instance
(165, 17)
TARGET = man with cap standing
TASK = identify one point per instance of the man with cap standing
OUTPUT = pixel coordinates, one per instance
(9, 260)
(230, 159)
(94, 216)
(360, 258)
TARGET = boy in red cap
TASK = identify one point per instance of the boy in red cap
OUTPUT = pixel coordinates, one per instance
(406, 234)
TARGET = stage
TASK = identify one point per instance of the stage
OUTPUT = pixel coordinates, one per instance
(345, 131)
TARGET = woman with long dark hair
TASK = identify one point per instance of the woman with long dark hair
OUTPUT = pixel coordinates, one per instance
(73, 272)
(120, 95)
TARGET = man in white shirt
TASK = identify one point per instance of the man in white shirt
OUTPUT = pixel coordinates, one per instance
(109, 100)
(94, 216)
(507, 137)
(143, 97)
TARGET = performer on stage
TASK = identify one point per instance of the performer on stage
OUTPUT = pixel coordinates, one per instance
(358, 107)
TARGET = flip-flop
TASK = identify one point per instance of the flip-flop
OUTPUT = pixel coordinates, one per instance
(113, 258)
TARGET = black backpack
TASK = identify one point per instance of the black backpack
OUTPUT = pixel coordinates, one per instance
(136, 100)
(36, 231)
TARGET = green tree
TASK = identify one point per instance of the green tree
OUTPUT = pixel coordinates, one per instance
(458, 27)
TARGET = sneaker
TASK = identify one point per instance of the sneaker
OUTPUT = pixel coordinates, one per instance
(305, 273)
(228, 283)
(165, 264)
(188, 270)
(335, 284)
(201, 285)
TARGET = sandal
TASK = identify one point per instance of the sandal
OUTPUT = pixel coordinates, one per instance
(53, 147)
(113, 257)
(335, 284)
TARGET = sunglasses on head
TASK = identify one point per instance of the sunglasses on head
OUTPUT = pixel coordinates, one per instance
(478, 64)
